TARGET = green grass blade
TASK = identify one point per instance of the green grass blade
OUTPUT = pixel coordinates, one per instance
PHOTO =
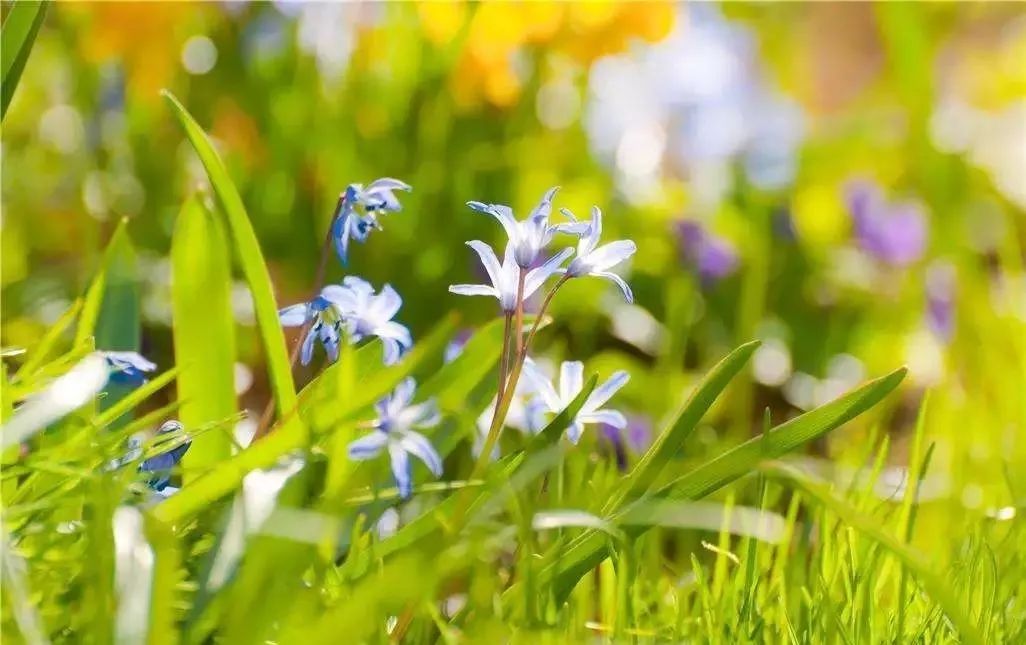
(134, 398)
(590, 548)
(42, 350)
(204, 330)
(19, 33)
(933, 583)
(250, 258)
(684, 422)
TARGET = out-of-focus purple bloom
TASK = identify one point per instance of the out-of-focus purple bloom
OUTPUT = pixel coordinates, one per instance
(358, 213)
(456, 345)
(713, 257)
(940, 300)
(128, 367)
(892, 232)
(635, 438)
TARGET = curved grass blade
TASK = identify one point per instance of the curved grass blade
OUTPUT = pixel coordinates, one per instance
(93, 301)
(590, 549)
(250, 258)
(911, 559)
(684, 422)
(134, 398)
(19, 34)
(204, 330)
(42, 350)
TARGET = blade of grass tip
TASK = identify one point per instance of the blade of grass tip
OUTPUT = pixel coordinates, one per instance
(203, 330)
(917, 471)
(250, 258)
(588, 550)
(19, 34)
(931, 581)
(684, 422)
(42, 349)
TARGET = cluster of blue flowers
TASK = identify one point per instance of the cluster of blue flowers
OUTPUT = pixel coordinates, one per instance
(353, 311)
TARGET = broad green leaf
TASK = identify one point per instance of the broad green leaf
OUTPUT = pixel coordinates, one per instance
(925, 571)
(250, 258)
(204, 330)
(670, 441)
(590, 548)
(93, 301)
(19, 33)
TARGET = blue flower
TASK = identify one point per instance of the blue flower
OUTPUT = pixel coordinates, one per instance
(596, 260)
(326, 313)
(128, 367)
(506, 276)
(161, 465)
(368, 314)
(571, 381)
(532, 235)
(394, 432)
(358, 213)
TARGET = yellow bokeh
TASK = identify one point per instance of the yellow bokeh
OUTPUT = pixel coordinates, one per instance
(819, 216)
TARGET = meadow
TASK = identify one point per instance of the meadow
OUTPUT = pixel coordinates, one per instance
(486, 322)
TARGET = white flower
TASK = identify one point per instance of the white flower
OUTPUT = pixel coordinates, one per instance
(368, 314)
(505, 277)
(530, 236)
(571, 381)
(596, 260)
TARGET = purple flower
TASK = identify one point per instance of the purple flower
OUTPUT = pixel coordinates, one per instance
(636, 437)
(713, 257)
(892, 232)
(940, 300)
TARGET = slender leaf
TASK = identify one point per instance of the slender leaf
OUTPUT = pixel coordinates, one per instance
(247, 251)
(19, 33)
(134, 398)
(204, 331)
(94, 294)
(42, 350)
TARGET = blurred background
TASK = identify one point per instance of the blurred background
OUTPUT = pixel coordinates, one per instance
(846, 182)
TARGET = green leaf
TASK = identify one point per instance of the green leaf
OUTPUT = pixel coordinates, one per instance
(204, 332)
(19, 33)
(670, 441)
(119, 325)
(42, 350)
(94, 294)
(590, 548)
(247, 251)
(925, 571)
(133, 398)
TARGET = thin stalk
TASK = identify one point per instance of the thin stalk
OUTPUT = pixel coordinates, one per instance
(504, 357)
(322, 269)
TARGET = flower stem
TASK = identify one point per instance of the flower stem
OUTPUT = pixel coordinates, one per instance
(504, 357)
(322, 269)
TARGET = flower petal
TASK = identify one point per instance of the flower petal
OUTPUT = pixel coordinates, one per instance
(340, 232)
(571, 380)
(574, 432)
(395, 331)
(609, 417)
(386, 304)
(544, 207)
(368, 446)
(502, 213)
(386, 183)
(536, 277)
(609, 255)
(542, 386)
(604, 392)
(294, 315)
(418, 446)
(306, 354)
(392, 351)
(473, 290)
(400, 462)
(422, 415)
(489, 260)
(343, 298)
(628, 295)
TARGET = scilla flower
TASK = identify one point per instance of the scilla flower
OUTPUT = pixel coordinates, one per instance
(393, 430)
(596, 260)
(571, 380)
(358, 213)
(505, 277)
(325, 311)
(161, 465)
(532, 235)
(368, 314)
(128, 367)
